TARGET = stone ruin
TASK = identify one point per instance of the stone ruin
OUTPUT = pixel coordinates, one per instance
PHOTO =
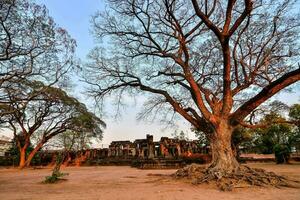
(148, 149)
(140, 151)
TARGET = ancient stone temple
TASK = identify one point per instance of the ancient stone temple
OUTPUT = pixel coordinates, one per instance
(165, 148)
(148, 149)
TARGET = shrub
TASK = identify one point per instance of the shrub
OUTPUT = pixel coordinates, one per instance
(282, 153)
(55, 177)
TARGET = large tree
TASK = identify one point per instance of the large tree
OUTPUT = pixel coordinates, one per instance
(50, 113)
(211, 61)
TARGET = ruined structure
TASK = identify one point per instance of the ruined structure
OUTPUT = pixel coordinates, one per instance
(124, 152)
(148, 149)
(121, 149)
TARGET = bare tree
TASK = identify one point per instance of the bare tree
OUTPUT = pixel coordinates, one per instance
(48, 114)
(211, 61)
(32, 46)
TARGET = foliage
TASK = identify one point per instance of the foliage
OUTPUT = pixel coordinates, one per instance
(36, 56)
(295, 112)
(74, 141)
(14, 151)
(54, 177)
(282, 153)
(278, 138)
(181, 135)
(275, 134)
(241, 138)
(201, 137)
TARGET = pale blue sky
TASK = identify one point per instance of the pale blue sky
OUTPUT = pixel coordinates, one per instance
(75, 16)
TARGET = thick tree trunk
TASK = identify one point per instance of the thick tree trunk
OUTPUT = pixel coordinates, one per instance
(223, 156)
(22, 158)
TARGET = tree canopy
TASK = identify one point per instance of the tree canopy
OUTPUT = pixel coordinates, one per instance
(32, 46)
(198, 58)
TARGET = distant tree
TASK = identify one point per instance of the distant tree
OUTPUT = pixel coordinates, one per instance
(294, 114)
(48, 114)
(75, 141)
(268, 137)
(278, 138)
(241, 137)
(212, 62)
(201, 137)
(181, 135)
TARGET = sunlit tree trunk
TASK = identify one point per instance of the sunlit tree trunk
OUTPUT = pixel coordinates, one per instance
(223, 156)
(22, 157)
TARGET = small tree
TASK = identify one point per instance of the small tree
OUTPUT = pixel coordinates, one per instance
(75, 141)
(56, 173)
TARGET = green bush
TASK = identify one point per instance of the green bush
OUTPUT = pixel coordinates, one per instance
(282, 153)
(54, 177)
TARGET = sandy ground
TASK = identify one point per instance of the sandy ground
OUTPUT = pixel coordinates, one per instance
(129, 183)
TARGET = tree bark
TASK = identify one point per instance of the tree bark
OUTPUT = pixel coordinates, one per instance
(223, 156)
(22, 158)
(32, 154)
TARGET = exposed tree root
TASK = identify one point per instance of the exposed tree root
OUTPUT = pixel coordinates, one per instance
(243, 176)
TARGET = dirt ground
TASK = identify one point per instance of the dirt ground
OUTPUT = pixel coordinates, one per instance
(126, 183)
